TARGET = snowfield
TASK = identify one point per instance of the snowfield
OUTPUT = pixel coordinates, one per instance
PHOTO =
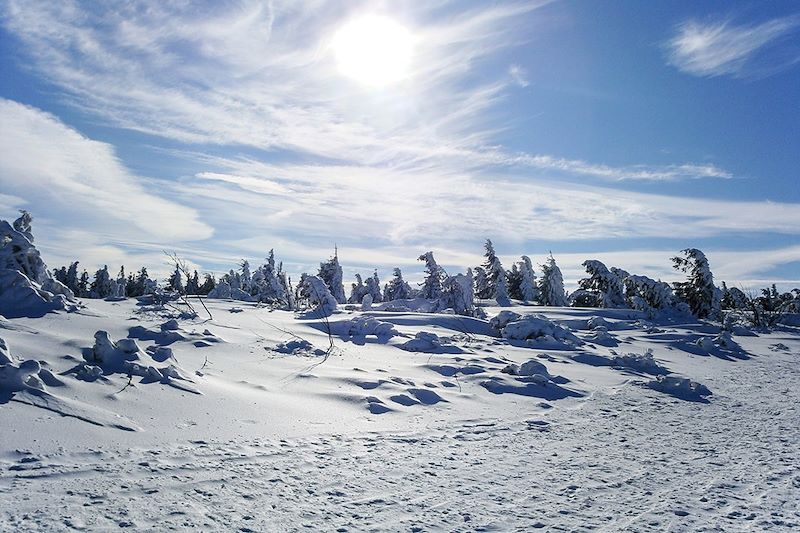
(121, 415)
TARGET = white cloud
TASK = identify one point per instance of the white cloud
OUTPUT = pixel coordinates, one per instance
(263, 75)
(722, 48)
(52, 166)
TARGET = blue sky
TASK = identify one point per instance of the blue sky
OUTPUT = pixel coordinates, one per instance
(622, 131)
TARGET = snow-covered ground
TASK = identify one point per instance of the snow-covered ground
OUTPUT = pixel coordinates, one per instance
(413, 422)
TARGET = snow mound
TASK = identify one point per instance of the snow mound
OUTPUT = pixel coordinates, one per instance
(680, 387)
(361, 326)
(535, 371)
(427, 342)
(126, 357)
(170, 332)
(298, 347)
(537, 330)
(18, 376)
(640, 362)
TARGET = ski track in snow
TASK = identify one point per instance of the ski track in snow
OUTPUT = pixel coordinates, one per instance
(625, 458)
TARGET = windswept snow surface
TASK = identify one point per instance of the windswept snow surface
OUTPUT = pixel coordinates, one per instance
(467, 431)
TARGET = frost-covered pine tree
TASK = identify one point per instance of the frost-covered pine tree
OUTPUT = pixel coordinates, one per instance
(83, 285)
(357, 290)
(647, 294)
(373, 286)
(175, 281)
(458, 295)
(246, 277)
(481, 283)
(698, 291)
(551, 285)
(514, 277)
(208, 284)
(527, 287)
(193, 284)
(603, 288)
(496, 283)
(72, 277)
(102, 284)
(330, 272)
(397, 288)
(318, 295)
(434, 276)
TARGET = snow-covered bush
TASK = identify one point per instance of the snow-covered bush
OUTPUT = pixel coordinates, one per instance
(551, 285)
(698, 291)
(679, 387)
(361, 326)
(644, 362)
(538, 328)
(531, 369)
(423, 341)
(221, 291)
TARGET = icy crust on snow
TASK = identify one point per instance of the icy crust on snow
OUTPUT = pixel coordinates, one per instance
(27, 289)
(537, 330)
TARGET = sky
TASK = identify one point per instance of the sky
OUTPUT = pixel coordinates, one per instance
(623, 131)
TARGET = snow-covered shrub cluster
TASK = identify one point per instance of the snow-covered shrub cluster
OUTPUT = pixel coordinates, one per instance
(536, 328)
(680, 387)
(126, 357)
(361, 326)
(27, 288)
(531, 370)
(603, 287)
(268, 284)
(20, 375)
(427, 342)
(298, 347)
(644, 362)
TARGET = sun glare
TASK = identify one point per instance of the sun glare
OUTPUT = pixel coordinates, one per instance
(373, 50)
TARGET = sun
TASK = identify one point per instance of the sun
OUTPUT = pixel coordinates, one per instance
(373, 50)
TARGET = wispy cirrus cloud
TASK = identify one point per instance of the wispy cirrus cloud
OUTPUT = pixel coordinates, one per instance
(722, 48)
(49, 164)
(252, 74)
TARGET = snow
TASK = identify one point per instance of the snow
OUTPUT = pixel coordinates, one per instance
(414, 421)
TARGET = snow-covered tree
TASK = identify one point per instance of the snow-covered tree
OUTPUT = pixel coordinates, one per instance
(481, 283)
(603, 288)
(330, 272)
(551, 284)
(514, 277)
(268, 283)
(193, 283)
(457, 294)
(647, 294)
(373, 286)
(397, 288)
(528, 289)
(72, 276)
(698, 291)
(357, 290)
(246, 277)
(208, 284)
(496, 283)
(83, 285)
(434, 276)
(318, 294)
(102, 286)
(175, 281)
(733, 298)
